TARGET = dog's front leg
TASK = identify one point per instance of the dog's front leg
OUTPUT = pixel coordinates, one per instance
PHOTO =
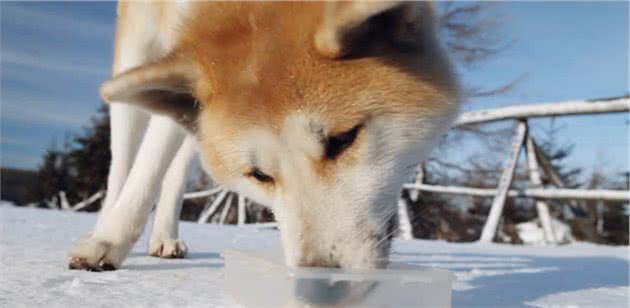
(119, 228)
(164, 242)
(128, 124)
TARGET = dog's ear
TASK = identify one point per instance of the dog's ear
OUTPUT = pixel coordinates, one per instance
(350, 28)
(163, 87)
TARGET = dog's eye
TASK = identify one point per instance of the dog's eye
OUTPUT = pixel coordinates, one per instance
(336, 144)
(260, 176)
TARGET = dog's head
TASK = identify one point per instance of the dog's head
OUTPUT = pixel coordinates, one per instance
(317, 109)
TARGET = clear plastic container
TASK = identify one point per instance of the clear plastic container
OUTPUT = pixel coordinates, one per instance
(260, 279)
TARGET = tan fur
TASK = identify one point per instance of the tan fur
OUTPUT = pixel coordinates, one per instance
(293, 76)
(251, 66)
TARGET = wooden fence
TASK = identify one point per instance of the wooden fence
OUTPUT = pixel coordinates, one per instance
(538, 165)
(222, 200)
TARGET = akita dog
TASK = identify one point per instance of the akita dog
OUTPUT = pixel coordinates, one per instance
(317, 109)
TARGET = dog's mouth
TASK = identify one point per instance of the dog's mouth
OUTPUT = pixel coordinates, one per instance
(354, 244)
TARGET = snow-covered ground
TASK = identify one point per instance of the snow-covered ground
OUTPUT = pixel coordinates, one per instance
(34, 244)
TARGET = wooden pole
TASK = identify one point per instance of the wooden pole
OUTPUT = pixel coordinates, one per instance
(618, 104)
(547, 193)
(203, 193)
(211, 208)
(415, 193)
(405, 231)
(63, 200)
(551, 173)
(547, 168)
(226, 207)
(52, 203)
(242, 213)
(88, 201)
(490, 228)
(535, 181)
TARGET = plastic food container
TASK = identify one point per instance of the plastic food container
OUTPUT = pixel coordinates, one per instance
(260, 279)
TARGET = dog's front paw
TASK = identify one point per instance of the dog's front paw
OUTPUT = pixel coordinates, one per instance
(168, 248)
(94, 254)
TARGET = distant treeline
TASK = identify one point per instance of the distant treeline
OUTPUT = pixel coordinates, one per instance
(18, 185)
(78, 167)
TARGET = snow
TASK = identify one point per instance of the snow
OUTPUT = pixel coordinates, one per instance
(532, 232)
(599, 297)
(34, 245)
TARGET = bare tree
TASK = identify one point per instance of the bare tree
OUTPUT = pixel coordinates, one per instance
(471, 33)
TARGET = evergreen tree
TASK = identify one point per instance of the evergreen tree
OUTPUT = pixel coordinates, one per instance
(80, 168)
(52, 174)
(556, 153)
(90, 157)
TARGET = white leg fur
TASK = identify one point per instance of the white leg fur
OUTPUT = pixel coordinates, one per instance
(136, 169)
(128, 125)
(119, 228)
(164, 242)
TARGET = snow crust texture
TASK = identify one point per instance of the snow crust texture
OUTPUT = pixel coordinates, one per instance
(33, 270)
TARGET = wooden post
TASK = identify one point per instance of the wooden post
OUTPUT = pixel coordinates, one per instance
(617, 104)
(536, 182)
(88, 201)
(548, 170)
(490, 228)
(405, 231)
(415, 193)
(52, 203)
(203, 193)
(211, 208)
(547, 193)
(242, 214)
(226, 207)
(63, 200)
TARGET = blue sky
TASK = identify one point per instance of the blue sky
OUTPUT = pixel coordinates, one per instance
(54, 55)
(566, 51)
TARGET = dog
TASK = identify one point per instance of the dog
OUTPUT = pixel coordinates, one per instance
(317, 109)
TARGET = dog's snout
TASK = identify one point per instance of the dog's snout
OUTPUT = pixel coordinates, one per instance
(311, 260)
(358, 253)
